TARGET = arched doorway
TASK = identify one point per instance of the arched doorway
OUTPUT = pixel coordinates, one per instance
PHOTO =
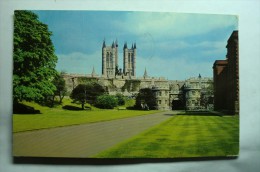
(177, 105)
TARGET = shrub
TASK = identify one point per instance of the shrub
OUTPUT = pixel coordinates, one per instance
(106, 101)
(121, 99)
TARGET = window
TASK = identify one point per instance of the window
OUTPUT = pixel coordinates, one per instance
(160, 102)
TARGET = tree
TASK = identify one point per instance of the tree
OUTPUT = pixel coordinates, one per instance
(61, 89)
(34, 58)
(106, 101)
(93, 90)
(87, 93)
(145, 97)
(78, 94)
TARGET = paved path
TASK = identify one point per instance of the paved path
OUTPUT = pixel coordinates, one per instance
(83, 140)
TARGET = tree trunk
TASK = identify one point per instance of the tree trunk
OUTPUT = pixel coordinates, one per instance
(82, 106)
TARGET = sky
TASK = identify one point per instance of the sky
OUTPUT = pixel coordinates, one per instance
(176, 46)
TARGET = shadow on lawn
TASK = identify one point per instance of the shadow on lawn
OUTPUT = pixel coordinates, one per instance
(70, 107)
(201, 113)
(19, 108)
(169, 114)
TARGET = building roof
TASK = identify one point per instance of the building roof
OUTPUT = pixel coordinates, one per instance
(220, 63)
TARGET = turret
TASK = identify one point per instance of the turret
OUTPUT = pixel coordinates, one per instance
(145, 74)
(104, 44)
(125, 45)
(113, 45)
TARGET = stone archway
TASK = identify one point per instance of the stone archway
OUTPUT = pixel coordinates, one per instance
(177, 104)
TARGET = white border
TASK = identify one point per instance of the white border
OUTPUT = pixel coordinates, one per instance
(249, 42)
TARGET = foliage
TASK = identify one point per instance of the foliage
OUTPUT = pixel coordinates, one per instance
(93, 90)
(190, 135)
(106, 101)
(121, 99)
(34, 58)
(131, 85)
(84, 80)
(145, 97)
(57, 116)
(61, 89)
(87, 93)
(78, 94)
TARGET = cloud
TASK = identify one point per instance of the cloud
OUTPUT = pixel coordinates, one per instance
(78, 62)
(174, 24)
(173, 69)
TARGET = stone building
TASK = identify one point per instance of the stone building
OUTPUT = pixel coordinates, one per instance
(169, 94)
(226, 78)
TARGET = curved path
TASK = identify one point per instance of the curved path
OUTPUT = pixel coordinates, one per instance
(83, 140)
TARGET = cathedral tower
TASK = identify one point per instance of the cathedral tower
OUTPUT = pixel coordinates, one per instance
(129, 60)
(109, 59)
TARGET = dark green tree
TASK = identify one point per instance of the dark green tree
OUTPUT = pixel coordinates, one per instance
(106, 101)
(93, 90)
(60, 85)
(87, 93)
(34, 58)
(145, 97)
(78, 94)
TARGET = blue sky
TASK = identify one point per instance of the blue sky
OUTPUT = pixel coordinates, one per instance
(171, 45)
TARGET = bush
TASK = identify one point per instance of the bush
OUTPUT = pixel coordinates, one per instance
(106, 101)
(120, 99)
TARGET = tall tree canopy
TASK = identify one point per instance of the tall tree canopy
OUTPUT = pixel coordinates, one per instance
(60, 85)
(34, 58)
(145, 97)
(87, 93)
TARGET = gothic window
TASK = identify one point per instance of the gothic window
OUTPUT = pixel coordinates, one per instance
(111, 59)
(107, 59)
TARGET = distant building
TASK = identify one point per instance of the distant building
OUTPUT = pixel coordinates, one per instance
(169, 94)
(226, 78)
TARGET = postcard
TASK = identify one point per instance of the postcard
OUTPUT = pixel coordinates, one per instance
(125, 84)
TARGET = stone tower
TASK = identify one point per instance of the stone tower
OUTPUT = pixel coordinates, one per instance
(109, 59)
(129, 60)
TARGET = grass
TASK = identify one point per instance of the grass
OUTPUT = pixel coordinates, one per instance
(182, 136)
(58, 117)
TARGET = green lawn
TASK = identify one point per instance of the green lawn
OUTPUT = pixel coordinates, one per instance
(57, 117)
(182, 136)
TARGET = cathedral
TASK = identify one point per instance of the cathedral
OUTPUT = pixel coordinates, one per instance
(170, 94)
(110, 61)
